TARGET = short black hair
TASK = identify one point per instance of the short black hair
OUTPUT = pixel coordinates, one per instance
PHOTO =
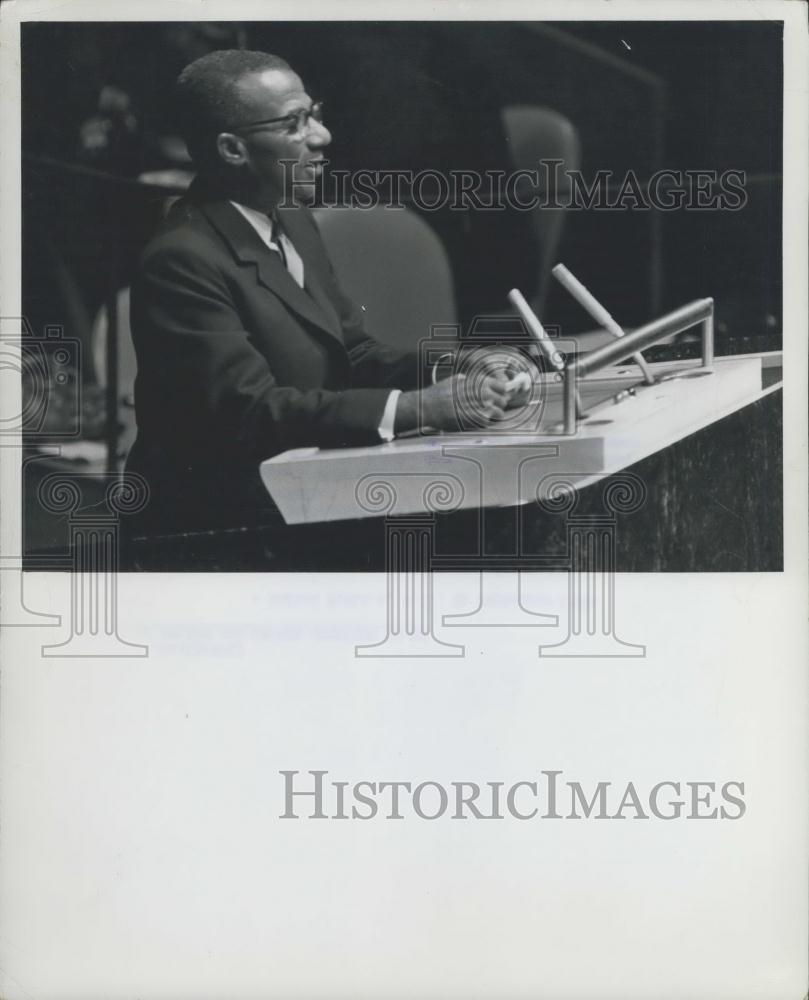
(207, 99)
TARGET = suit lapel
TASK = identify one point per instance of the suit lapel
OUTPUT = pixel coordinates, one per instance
(304, 238)
(247, 246)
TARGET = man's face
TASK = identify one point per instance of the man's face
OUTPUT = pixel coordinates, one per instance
(274, 94)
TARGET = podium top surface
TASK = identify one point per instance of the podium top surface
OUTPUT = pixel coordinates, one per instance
(623, 422)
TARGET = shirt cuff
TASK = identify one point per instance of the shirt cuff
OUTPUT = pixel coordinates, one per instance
(387, 423)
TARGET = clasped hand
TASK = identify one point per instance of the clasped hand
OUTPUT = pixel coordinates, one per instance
(493, 383)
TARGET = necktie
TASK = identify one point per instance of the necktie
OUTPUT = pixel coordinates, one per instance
(289, 255)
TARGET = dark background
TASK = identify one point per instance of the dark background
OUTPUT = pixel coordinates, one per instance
(427, 95)
(407, 95)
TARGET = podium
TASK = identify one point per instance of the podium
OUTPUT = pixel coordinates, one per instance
(596, 420)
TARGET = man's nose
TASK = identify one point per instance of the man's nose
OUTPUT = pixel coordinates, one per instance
(318, 136)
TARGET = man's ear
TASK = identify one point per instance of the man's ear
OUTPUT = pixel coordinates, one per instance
(231, 149)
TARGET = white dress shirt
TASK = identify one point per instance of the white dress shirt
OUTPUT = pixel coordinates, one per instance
(294, 264)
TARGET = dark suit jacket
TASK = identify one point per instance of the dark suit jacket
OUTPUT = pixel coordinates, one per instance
(237, 363)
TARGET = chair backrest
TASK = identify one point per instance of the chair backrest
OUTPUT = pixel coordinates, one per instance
(127, 366)
(394, 266)
(127, 362)
(535, 133)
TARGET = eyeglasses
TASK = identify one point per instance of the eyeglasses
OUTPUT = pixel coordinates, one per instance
(295, 123)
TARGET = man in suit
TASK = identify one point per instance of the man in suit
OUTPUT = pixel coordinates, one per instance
(246, 345)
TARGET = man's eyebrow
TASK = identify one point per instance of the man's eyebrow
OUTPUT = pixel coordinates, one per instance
(298, 105)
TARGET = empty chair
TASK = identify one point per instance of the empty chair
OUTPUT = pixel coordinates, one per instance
(394, 266)
(534, 134)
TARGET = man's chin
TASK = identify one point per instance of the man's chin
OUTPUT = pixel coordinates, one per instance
(301, 194)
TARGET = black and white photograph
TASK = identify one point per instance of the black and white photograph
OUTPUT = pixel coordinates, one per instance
(474, 214)
(404, 553)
